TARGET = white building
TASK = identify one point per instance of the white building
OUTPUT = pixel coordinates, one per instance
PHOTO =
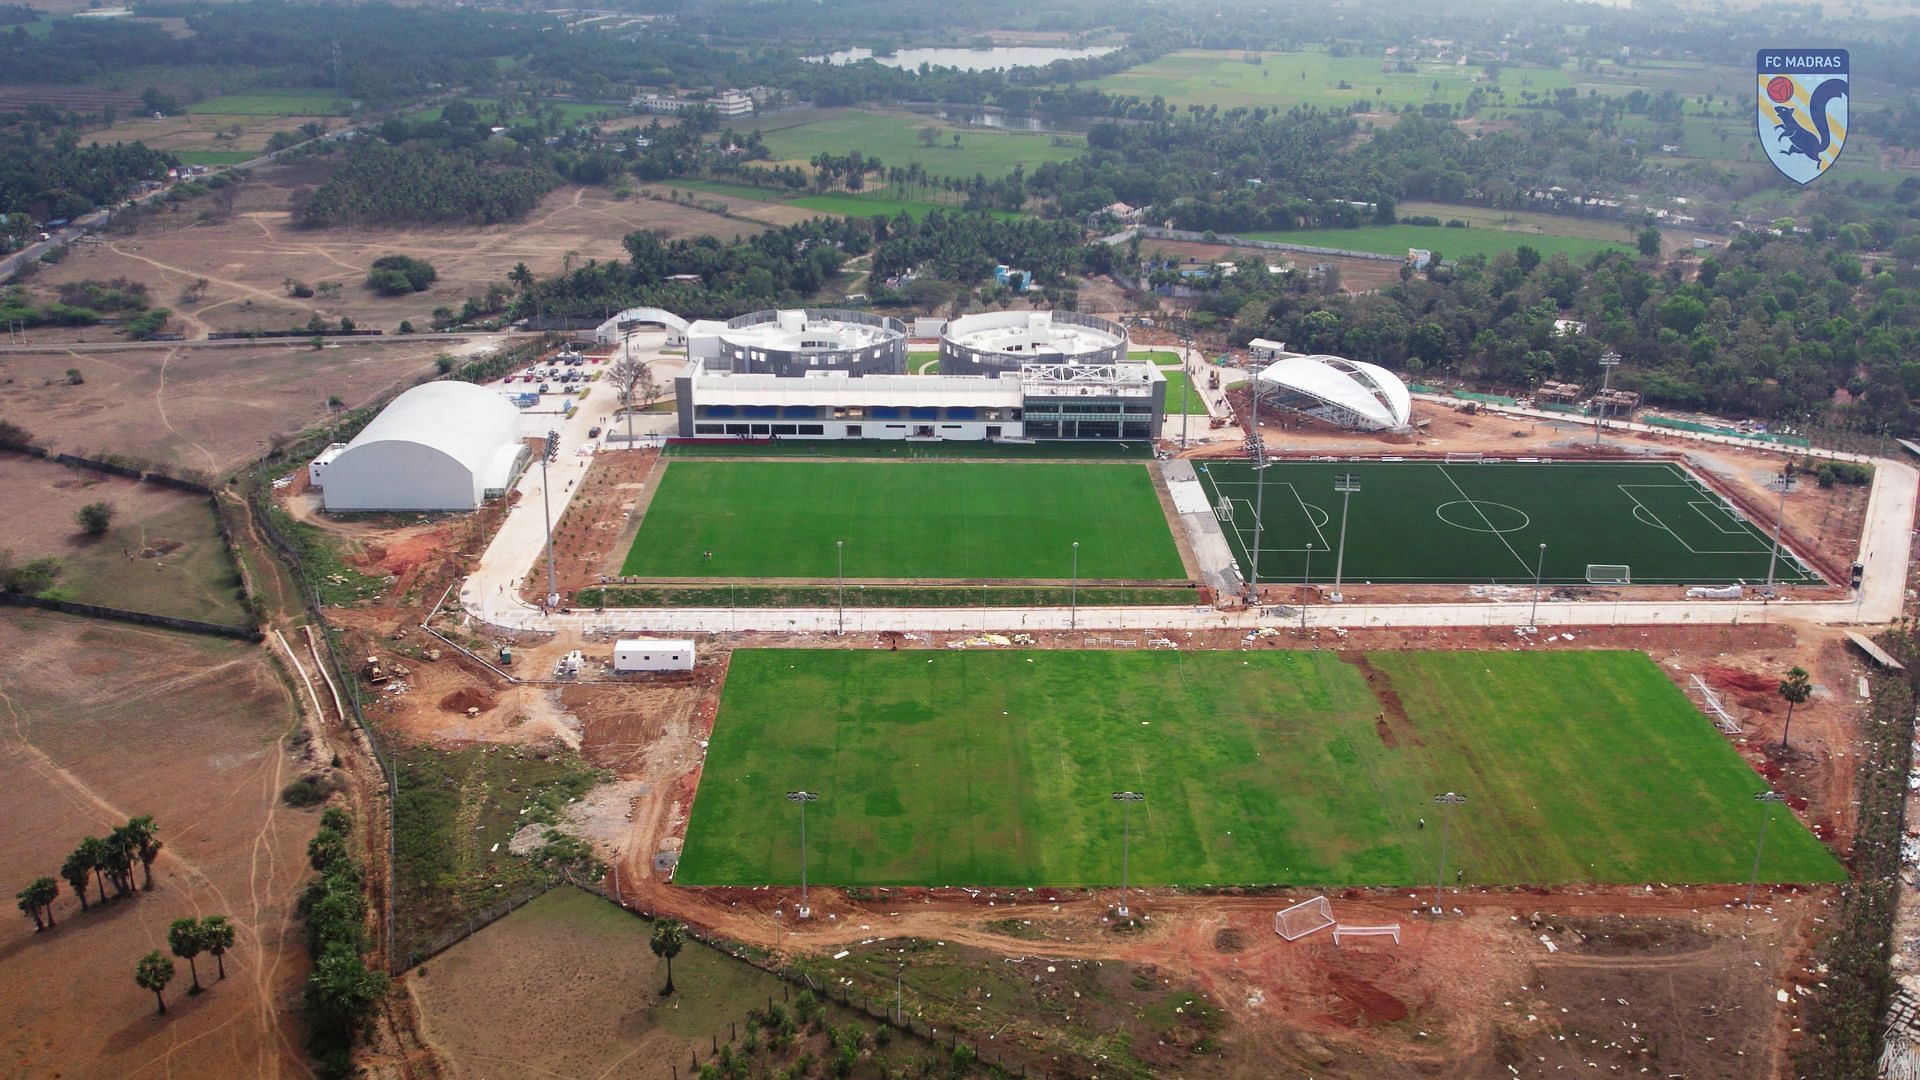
(653, 654)
(318, 467)
(1267, 349)
(732, 103)
(1346, 393)
(441, 446)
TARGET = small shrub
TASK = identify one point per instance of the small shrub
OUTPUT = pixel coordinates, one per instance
(74, 378)
(95, 518)
(311, 790)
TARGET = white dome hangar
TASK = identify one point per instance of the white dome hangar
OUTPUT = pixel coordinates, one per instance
(1347, 393)
(996, 341)
(439, 446)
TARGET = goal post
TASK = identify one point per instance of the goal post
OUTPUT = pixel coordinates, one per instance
(1609, 574)
(1309, 916)
(1224, 511)
(1455, 457)
(1343, 931)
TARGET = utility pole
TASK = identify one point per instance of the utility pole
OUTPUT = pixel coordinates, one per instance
(1608, 361)
(1126, 799)
(1258, 446)
(1766, 799)
(1779, 523)
(549, 454)
(1186, 384)
(1447, 800)
(1073, 594)
(803, 798)
(840, 581)
(1538, 565)
(1346, 484)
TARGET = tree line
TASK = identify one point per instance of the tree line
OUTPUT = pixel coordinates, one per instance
(341, 992)
(384, 185)
(46, 176)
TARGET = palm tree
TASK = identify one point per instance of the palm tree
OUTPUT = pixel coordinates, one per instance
(95, 851)
(77, 870)
(37, 897)
(521, 276)
(184, 938)
(216, 934)
(153, 973)
(1796, 688)
(121, 851)
(668, 936)
(147, 844)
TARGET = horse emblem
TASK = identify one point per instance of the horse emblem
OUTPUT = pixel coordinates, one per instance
(1802, 122)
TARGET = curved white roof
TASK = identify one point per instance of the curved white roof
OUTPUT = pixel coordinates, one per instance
(1370, 392)
(465, 422)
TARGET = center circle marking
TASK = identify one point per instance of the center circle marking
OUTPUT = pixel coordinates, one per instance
(1481, 516)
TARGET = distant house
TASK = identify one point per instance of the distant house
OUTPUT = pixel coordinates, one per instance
(1418, 258)
(1569, 327)
(1267, 349)
(1118, 211)
(1699, 244)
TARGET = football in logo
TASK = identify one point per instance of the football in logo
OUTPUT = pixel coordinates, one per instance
(1802, 100)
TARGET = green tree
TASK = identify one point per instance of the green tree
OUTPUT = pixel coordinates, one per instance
(121, 852)
(341, 992)
(338, 820)
(95, 518)
(1648, 241)
(1795, 688)
(668, 936)
(216, 934)
(183, 937)
(94, 851)
(77, 871)
(147, 844)
(38, 897)
(153, 973)
(326, 849)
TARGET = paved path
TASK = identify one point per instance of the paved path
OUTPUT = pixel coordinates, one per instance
(1885, 550)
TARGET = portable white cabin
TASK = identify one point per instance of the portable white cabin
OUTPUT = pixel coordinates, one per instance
(653, 654)
(318, 468)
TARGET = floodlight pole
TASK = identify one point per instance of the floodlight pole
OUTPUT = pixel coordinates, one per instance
(1539, 565)
(1126, 799)
(1186, 385)
(547, 454)
(1346, 484)
(1608, 361)
(1447, 800)
(1073, 593)
(1766, 799)
(840, 581)
(1306, 586)
(1779, 524)
(1259, 488)
(803, 798)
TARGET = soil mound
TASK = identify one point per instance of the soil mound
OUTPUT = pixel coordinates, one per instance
(461, 700)
(1727, 678)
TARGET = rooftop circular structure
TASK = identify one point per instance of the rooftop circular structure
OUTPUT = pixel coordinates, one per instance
(798, 342)
(1346, 393)
(997, 341)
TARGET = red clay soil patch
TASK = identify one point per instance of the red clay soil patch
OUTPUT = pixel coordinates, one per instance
(467, 698)
(1361, 1001)
(1727, 678)
(1392, 722)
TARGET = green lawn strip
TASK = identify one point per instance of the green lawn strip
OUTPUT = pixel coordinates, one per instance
(1642, 515)
(880, 596)
(895, 139)
(720, 187)
(922, 520)
(996, 768)
(273, 102)
(923, 363)
(946, 451)
(1162, 357)
(850, 205)
(1450, 243)
(216, 157)
(1192, 402)
(1282, 80)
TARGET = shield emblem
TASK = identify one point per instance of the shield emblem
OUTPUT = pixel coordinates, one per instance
(1802, 117)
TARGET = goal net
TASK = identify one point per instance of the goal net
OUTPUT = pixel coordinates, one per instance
(1455, 457)
(1224, 511)
(1609, 574)
(1303, 918)
(1343, 931)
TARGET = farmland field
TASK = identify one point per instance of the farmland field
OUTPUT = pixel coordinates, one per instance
(1305, 768)
(894, 139)
(904, 519)
(274, 101)
(1486, 523)
(1450, 243)
(1282, 80)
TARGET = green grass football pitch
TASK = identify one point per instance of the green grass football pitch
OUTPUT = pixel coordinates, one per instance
(976, 520)
(1440, 523)
(997, 769)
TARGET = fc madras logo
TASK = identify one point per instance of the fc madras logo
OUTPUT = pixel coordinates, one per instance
(1803, 109)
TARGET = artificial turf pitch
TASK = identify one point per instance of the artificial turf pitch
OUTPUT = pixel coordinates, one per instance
(975, 520)
(1430, 522)
(997, 769)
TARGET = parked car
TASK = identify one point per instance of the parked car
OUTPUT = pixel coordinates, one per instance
(593, 432)
(543, 388)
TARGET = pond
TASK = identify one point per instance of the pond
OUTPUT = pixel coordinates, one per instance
(967, 59)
